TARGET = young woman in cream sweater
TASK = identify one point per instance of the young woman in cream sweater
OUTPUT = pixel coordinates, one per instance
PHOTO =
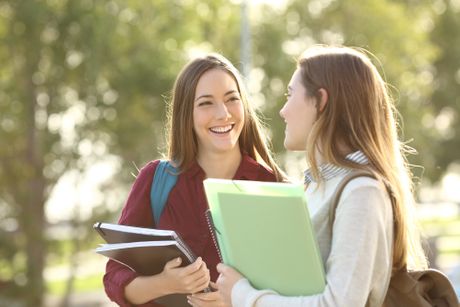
(339, 111)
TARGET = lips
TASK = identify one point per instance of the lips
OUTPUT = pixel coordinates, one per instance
(222, 129)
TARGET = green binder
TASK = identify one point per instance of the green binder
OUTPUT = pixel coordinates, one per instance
(263, 230)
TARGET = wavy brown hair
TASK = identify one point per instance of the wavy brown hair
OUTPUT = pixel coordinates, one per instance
(360, 115)
(182, 145)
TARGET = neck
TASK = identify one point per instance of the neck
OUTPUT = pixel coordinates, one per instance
(342, 148)
(223, 166)
(319, 159)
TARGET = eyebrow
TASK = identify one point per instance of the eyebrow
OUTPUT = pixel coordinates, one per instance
(289, 88)
(210, 96)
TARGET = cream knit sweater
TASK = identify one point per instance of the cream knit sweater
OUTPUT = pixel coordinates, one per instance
(357, 257)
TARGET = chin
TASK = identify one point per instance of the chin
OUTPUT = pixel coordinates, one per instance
(293, 147)
(287, 146)
(225, 148)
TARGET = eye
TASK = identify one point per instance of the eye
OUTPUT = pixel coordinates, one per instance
(204, 103)
(287, 95)
(234, 98)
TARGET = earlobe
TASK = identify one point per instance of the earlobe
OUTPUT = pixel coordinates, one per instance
(323, 99)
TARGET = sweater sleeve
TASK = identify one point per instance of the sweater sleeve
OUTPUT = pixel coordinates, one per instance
(360, 255)
(136, 212)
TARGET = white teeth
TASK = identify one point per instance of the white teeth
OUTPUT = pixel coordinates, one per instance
(223, 129)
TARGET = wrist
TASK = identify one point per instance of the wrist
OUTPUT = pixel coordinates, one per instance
(146, 288)
(167, 284)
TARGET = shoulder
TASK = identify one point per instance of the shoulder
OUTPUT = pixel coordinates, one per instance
(367, 196)
(361, 183)
(364, 185)
(147, 171)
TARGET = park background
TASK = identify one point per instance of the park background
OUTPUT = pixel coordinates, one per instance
(83, 86)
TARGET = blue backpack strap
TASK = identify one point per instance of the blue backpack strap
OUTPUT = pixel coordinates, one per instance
(164, 180)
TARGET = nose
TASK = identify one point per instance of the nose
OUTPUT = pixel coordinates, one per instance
(282, 111)
(222, 111)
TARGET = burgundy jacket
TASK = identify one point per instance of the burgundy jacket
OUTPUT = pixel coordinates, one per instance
(184, 213)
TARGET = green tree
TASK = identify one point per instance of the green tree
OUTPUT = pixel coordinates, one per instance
(391, 30)
(81, 80)
(445, 123)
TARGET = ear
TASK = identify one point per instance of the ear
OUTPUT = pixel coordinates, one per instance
(323, 99)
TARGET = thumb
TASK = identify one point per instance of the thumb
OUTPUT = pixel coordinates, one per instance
(221, 268)
(213, 285)
(176, 262)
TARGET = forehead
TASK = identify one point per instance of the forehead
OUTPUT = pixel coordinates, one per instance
(295, 79)
(214, 80)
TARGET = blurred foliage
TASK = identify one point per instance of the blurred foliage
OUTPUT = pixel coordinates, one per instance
(81, 80)
(84, 80)
(393, 31)
(445, 121)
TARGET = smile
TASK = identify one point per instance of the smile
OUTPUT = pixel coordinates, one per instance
(222, 129)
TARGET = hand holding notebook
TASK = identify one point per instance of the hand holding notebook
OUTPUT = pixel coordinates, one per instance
(264, 231)
(143, 250)
(146, 251)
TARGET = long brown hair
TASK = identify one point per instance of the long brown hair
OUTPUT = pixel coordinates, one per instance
(182, 145)
(360, 115)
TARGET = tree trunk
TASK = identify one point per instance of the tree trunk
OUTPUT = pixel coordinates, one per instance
(33, 213)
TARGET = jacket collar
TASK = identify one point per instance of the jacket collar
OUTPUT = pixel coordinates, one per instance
(328, 171)
(247, 170)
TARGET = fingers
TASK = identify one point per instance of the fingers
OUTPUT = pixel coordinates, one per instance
(222, 268)
(201, 284)
(195, 273)
(213, 285)
(192, 278)
(208, 296)
(191, 268)
(197, 266)
(211, 299)
(195, 288)
(176, 262)
(193, 282)
(199, 280)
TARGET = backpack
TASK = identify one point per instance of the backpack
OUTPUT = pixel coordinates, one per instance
(164, 180)
(424, 288)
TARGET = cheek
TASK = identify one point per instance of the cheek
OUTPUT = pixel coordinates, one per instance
(237, 111)
(308, 109)
(241, 113)
(296, 112)
(199, 118)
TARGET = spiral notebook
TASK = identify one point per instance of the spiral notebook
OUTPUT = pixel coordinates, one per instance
(145, 251)
(263, 229)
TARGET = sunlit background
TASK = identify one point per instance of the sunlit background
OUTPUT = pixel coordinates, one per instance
(83, 86)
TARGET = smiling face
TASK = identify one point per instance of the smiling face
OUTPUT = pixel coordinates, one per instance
(218, 114)
(299, 114)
